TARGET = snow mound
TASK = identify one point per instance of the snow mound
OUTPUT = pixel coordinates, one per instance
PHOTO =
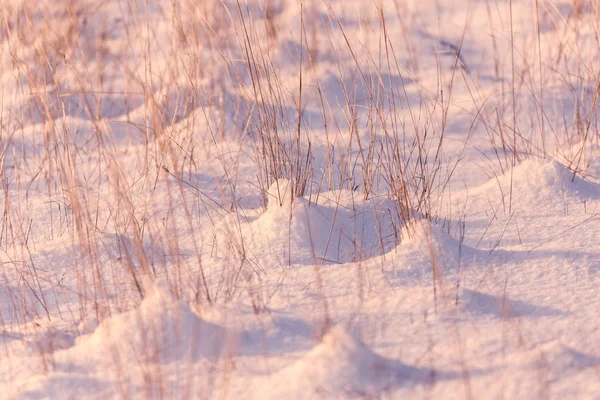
(563, 359)
(583, 156)
(538, 185)
(342, 365)
(162, 329)
(500, 305)
(424, 242)
(338, 228)
(427, 247)
(423, 233)
(280, 193)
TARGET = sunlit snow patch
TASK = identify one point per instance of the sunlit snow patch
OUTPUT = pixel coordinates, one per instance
(536, 185)
(342, 365)
(425, 244)
(477, 302)
(339, 228)
(162, 329)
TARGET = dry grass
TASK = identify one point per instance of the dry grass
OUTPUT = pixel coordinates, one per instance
(214, 106)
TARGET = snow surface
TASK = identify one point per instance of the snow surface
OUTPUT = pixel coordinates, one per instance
(150, 248)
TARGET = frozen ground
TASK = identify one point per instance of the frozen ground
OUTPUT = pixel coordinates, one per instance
(284, 199)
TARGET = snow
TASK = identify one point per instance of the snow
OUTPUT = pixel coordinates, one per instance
(283, 199)
(162, 329)
(335, 229)
(342, 365)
